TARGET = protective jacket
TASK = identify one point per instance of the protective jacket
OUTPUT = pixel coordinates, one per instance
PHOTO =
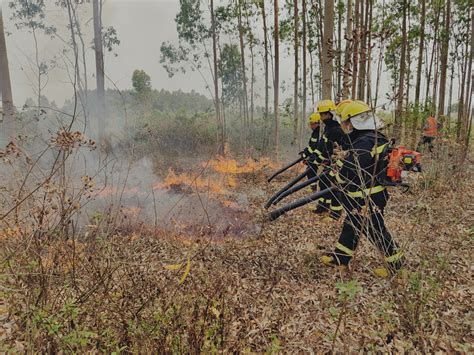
(363, 171)
(431, 127)
(332, 134)
(309, 150)
(361, 180)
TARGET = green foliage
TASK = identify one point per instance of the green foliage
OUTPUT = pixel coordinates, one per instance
(189, 24)
(109, 38)
(275, 346)
(175, 134)
(63, 328)
(348, 290)
(141, 82)
(230, 70)
(30, 14)
(192, 31)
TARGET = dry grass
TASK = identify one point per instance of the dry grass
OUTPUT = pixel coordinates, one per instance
(130, 290)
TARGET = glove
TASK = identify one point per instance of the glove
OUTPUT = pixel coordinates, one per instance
(305, 153)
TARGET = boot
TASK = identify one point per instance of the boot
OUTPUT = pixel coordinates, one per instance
(330, 259)
(389, 270)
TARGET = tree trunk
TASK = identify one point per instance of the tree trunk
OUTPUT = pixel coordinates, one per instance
(459, 128)
(339, 52)
(414, 128)
(408, 67)
(444, 61)
(433, 53)
(9, 124)
(252, 87)
(295, 86)
(276, 82)
(355, 47)
(265, 58)
(75, 48)
(99, 69)
(244, 76)
(311, 79)
(220, 125)
(363, 50)
(346, 81)
(369, 54)
(401, 82)
(467, 113)
(436, 80)
(327, 49)
(318, 10)
(450, 100)
(303, 115)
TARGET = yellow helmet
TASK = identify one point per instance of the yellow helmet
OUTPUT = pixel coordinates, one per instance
(325, 106)
(354, 108)
(341, 105)
(314, 118)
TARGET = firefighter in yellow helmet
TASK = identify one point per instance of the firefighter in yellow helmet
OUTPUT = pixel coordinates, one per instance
(361, 178)
(331, 135)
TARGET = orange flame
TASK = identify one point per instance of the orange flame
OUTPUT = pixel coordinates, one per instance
(193, 182)
(230, 166)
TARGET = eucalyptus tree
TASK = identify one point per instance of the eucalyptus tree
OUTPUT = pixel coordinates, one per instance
(276, 79)
(9, 123)
(99, 66)
(327, 63)
(30, 15)
(195, 36)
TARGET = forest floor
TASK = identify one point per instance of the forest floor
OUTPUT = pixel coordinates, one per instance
(143, 290)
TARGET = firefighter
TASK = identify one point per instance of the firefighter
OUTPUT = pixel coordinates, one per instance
(332, 134)
(361, 179)
(430, 132)
(309, 152)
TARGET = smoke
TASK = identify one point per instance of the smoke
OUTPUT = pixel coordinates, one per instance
(138, 196)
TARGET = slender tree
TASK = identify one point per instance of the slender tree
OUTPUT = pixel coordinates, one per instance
(467, 108)
(328, 49)
(304, 55)
(296, 70)
(9, 123)
(340, 10)
(434, 50)
(276, 82)
(419, 65)
(244, 76)
(364, 18)
(355, 47)
(216, 83)
(444, 60)
(266, 51)
(369, 53)
(99, 67)
(400, 93)
(346, 81)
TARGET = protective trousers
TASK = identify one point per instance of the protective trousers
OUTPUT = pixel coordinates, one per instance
(330, 201)
(371, 223)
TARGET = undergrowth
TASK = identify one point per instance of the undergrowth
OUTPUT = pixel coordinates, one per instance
(123, 289)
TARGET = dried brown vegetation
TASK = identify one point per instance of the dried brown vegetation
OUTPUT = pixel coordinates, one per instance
(135, 288)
